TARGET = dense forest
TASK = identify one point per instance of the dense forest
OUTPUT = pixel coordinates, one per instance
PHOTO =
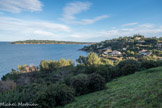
(95, 78)
(49, 42)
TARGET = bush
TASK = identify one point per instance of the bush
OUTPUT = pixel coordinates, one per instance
(96, 82)
(127, 67)
(55, 95)
(80, 84)
(105, 71)
(149, 64)
(159, 62)
(7, 85)
(21, 94)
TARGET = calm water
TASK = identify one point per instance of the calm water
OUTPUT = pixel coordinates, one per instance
(12, 55)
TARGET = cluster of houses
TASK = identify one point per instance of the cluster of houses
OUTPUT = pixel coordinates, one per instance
(108, 51)
(112, 53)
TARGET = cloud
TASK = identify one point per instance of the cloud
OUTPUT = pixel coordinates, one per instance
(74, 8)
(43, 33)
(144, 29)
(16, 6)
(26, 28)
(130, 24)
(9, 23)
(71, 9)
(90, 21)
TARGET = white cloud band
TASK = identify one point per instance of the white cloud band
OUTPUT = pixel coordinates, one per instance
(16, 6)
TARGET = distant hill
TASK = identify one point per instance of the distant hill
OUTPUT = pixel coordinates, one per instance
(139, 90)
(122, 47)
(49, 42)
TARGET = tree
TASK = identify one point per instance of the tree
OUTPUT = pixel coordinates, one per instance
(93, 59)
(56, 95)
(127, 67)
(80, 83)
(96, 82)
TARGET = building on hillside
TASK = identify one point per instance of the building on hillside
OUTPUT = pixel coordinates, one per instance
(124, 49)
(141, 41)
(138, 38)
(107, 51)
(159, 45)
(145, 52)
(115, 53)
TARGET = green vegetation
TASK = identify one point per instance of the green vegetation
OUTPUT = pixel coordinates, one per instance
(48, 42)
(57, 83)
(140, 90)
(119, 79)
(121, 48)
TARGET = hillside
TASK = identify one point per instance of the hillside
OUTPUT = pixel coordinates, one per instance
(48, 42)
(140, 90)
(124, 47)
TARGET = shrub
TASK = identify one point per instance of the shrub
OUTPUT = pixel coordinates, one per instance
(127, 67)
(56, 95)
(105, 71)
(13, 75)
(159, 62)
(149, 64)
(7, 85)
(80, 84)
(21, 94)
(96, 82)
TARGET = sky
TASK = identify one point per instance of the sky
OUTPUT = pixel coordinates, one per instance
(79, 20)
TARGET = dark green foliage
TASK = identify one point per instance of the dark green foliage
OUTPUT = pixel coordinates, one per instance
(149, 64)
(80, 83)
(22, 94)
(55, 95)
(43, 95)
(96, 82)
(139, 90)
(83, 83)
(43, 87)
(159, 62)
(105, 71)
(13, 75)
(127, 67)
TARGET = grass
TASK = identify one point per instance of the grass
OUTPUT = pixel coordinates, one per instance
(140, 90)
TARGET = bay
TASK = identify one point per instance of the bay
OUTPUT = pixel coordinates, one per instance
(12, 55)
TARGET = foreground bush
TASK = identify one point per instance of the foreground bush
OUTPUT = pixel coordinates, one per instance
(105, 71)
(149, 64)
(127, 67)
(55, 95)
(80, 83)
(96, 82)
(7, 85)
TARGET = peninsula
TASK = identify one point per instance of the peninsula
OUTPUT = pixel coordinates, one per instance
(49, 42)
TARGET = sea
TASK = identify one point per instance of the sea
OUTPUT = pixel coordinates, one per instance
(12, 55)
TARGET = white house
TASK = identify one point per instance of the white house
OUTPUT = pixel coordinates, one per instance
(115, 53)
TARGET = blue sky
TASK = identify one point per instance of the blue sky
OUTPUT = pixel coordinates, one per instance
(83, 20)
